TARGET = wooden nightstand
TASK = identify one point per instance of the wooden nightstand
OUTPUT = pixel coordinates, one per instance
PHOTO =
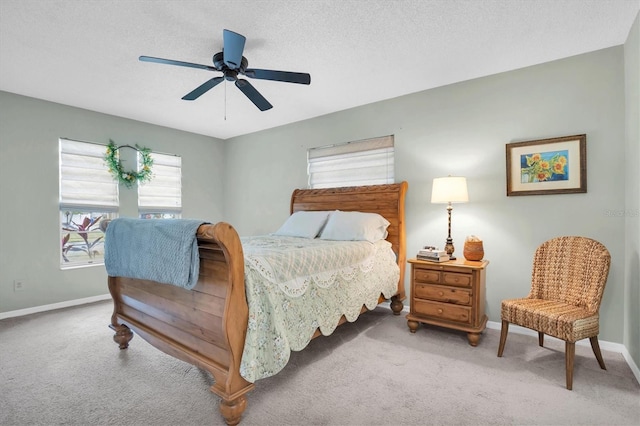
(449, 294)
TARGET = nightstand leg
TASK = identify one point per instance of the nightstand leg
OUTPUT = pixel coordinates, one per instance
(474, 338)
(413, 325)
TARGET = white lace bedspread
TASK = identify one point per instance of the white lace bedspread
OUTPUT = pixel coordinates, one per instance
(296, 285)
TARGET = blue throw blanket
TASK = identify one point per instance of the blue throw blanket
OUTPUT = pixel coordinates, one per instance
(162, 250)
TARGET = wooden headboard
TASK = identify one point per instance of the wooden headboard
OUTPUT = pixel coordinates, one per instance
(386, 200)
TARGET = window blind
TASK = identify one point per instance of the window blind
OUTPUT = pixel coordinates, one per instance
(364, 162)
(85, 181)
(163, 194)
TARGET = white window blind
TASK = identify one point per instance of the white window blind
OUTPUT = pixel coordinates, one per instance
(163, 194)
(88, 196)
(364, 162)
(85, 181)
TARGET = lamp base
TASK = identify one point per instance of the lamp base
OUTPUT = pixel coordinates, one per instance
(449, 248)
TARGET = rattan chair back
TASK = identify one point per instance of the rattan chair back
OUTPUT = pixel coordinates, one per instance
(572, 270)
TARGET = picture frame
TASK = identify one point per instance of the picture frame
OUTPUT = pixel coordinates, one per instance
(547, 166)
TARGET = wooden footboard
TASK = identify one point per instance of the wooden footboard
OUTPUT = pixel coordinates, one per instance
(205, 326)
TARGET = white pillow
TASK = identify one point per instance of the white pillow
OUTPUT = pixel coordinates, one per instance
(305, 224)
(355, 226)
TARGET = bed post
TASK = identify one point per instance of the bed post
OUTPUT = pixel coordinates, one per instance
(232, 387)
(396, 301)
(123, 333)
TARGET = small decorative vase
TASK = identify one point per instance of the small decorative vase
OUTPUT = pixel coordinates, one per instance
(473, 250)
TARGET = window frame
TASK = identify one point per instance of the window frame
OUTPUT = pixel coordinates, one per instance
(363, 162)
(82, 209)
(164, 177)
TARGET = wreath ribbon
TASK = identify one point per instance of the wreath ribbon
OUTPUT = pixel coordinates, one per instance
(128, 178)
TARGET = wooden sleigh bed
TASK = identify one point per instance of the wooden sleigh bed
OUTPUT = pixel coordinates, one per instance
(206, 326)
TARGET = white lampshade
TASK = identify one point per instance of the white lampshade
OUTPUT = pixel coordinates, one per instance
(450, 189)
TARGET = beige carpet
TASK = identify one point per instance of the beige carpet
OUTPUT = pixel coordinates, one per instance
(62, 367)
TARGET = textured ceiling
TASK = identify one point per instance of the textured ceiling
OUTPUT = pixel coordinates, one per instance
(85, 53)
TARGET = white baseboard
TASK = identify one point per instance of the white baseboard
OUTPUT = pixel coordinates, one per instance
(607, 346)
(604, 345)
(51, 307)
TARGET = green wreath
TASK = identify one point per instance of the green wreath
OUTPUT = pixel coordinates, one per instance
(128, 177)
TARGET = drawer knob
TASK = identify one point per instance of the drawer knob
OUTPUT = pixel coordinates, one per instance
(439, 311)
(442, 293)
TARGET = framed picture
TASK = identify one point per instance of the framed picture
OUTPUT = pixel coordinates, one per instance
(547, 166)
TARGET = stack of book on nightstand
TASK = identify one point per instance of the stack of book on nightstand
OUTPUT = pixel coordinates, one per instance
(432, 254)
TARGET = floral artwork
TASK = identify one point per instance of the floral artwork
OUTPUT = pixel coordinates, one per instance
(544, 166)
(547, 166)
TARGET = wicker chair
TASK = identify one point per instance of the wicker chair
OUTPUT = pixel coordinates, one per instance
(568, 279)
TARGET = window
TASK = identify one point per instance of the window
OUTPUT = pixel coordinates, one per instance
(161, 198)
(88, 196)
(365, 162)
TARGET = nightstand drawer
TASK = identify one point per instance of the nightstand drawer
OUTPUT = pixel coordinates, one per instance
(427, 276)
(443, 294)
(459, 280)
(443, 311)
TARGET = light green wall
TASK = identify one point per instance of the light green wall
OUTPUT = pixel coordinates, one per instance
(632, 216)
(29, 132)
(462, 129)
(457, 129)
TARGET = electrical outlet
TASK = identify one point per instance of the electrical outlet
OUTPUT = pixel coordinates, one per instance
(18, 285)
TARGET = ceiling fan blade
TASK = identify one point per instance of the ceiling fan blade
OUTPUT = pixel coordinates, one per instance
(253, 95)
(233, 48)
(286, 76)
(202, 89)
(179, 63)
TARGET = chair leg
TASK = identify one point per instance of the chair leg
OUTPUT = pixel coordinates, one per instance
(503, 336)
(596, 351)
(569, 355)
(540, 338)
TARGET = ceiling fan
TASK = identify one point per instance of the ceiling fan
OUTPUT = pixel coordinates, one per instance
(231, 63)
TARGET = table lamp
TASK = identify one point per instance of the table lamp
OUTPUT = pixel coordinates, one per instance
(447, 190)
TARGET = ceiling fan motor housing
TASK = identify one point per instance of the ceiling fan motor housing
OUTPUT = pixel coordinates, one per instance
(218, 62)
